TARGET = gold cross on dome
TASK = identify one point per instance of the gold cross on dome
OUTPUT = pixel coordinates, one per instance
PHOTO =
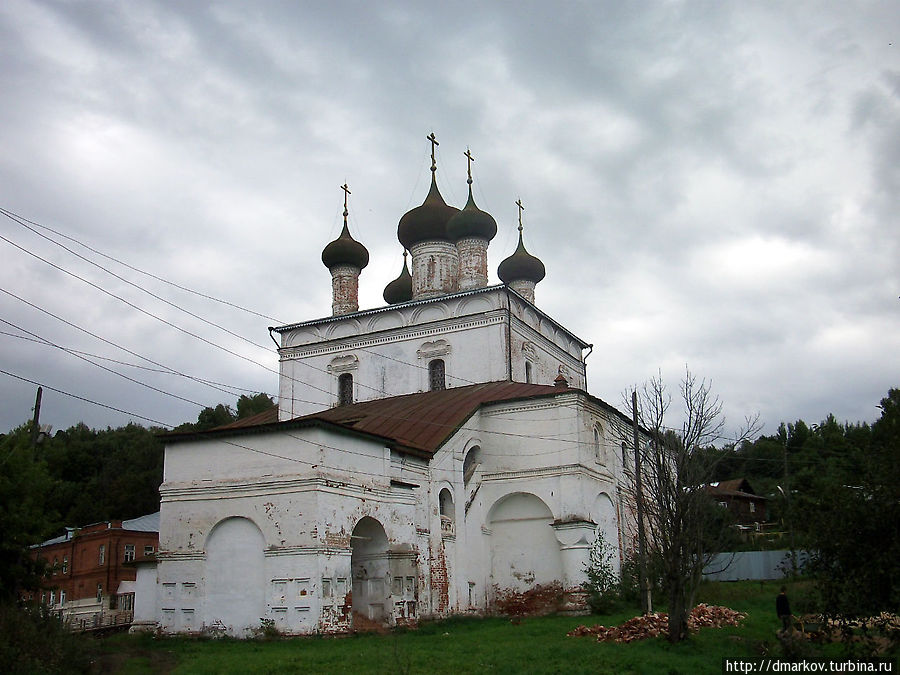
(434, 144)
(470, 160)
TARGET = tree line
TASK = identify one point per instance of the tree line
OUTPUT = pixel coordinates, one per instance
(80, 476)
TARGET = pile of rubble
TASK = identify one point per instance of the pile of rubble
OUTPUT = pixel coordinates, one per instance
(657, 624)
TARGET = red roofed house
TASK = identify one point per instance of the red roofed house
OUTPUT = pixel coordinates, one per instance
(426, 457)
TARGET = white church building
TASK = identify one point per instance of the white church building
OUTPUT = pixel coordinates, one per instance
(426, 457)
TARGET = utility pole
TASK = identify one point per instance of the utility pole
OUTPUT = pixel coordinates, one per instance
(787, 505)
(36, 423)
(646, 600)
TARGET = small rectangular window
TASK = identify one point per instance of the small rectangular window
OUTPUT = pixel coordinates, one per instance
(129, 552)
(62, 598)
(65, 566)
(437, 375)
(52, 598)
(99, 592)
(102, 554)
(326, 588)
(752, 507)
(148, 550)
(345, 389)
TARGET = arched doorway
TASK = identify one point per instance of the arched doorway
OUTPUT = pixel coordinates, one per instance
(524, 548)
(370, 569)
(235, 576)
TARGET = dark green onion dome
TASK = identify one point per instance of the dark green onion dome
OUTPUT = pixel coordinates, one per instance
(400, 289)
(472, 222)
(426, 222)
(521, 266)
(345, 250)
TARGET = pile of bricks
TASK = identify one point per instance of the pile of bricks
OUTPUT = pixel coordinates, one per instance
(657, 624)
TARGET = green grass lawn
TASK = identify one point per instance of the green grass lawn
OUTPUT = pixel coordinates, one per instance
(495, 645)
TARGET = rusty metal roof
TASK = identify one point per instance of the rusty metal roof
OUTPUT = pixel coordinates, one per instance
(420, 422)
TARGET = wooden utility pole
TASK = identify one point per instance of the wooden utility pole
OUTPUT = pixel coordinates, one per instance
(36, 423)
(646, 600)
(787, 504)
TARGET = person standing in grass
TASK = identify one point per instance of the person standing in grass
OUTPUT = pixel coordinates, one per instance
(783, 609)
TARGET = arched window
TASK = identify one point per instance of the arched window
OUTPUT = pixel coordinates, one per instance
(445, 502)
(470, 463)
(599, 444)
(528, 372)
(436, 375)
(345, 389)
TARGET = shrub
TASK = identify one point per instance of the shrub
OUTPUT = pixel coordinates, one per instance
(604, 589)
(34, 641)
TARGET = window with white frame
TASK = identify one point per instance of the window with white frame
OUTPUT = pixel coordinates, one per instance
(129, 552)
(148, 550)
(102, 555)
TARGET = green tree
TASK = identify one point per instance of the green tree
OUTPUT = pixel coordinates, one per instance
(853, 523)
(247, 406)
(24, 486)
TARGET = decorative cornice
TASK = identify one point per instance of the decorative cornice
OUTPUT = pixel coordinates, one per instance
(442, 327)
(278, 551)
(179, 556)
(180, 492)
(548, 472)
(388, 308)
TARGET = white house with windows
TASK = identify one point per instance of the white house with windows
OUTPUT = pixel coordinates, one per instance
(426, 457)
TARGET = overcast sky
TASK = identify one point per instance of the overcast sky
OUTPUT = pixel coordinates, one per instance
(710, 184)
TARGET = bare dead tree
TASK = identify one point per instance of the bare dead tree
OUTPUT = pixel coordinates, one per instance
(684, 525)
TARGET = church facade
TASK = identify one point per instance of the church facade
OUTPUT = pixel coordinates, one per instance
(428, 457)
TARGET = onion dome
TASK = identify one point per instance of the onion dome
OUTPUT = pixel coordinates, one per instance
(472, 222)
(345, 250)
(400, 289)
(521, 265)
(428, 221)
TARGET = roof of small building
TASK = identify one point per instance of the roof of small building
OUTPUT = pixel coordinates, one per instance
(148, 523)
(735, 487)
(419, 423)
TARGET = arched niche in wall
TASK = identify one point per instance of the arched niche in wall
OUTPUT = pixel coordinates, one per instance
(599, 443)
(447, 512)
(302, 336)
(474, 305)
(345, 328)
(427, 313)
(370, 570)
(471, 463)
(603, 512)
(385, 321)
(524, 548)
(235, 589)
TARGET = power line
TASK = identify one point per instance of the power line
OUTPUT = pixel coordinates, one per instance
(71, 350)
(101, 366)
(110, 342)
(86, 400)
(138, 287)
(21, 220)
